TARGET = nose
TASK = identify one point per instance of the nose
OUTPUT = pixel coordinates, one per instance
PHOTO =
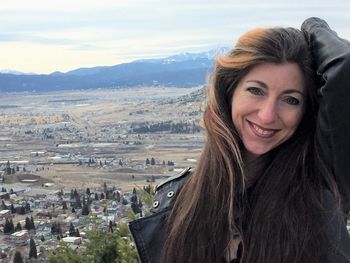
(268, 112)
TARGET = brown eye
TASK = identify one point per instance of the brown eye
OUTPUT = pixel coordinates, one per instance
(255, 91)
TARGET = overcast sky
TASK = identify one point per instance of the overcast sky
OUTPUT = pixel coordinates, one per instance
(43, 36)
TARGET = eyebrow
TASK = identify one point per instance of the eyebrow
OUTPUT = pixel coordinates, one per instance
(288, 91)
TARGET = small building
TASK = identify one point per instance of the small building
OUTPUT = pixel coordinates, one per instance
(20, 237)
(5, 214)
(72, 240)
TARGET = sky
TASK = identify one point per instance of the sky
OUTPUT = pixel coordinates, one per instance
(41, 36)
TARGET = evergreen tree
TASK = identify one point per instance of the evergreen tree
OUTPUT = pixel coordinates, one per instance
(18, 227)
(42, 238)
(153, 161)
(147, 161)
(72, 232)
(18, 257)
(88, 192)
(134, 203)
(77, 234)
(12, 226)
(73, 210)
(75, 194)
(32, 249)
(8, 227)
(96, 196)
(110, 227)
(28, 224)
(8, 167)
(102, 196)
(77, 201)
(86, 210)
(117, 197)
(64, 205)
(32, 225)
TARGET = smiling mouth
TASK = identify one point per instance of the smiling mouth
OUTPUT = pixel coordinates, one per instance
(262, 132)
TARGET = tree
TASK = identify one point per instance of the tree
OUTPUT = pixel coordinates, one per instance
(32, 249)
(18, 257)
(134, 203)
(120, 162)
(8, 167)
(28, 224)
(110, 227)
(32, 225)
(153, 161)
(3, 205)
(88, 192)
(117, 197)
(42, 238)
(13, 210)
(86, 210)
(96, 196)
(8, 227)
(64, 205)
(147, 161)
(77, 201)
(18, 227)
(72, 232)
(77, 234)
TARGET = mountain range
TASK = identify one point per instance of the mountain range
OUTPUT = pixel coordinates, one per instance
(181, 70)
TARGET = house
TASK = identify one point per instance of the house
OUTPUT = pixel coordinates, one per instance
(5, 214)
(72, 240)
(20, 237)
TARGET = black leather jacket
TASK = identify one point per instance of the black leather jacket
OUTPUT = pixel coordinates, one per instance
(332, 59)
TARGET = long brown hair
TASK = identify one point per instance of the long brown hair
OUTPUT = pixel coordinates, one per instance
(277, 217)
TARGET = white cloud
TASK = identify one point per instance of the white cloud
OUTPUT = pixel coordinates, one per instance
(61, 35)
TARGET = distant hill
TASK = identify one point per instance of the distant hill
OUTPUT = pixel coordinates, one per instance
(182, 70)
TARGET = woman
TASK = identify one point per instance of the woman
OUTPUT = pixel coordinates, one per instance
(264, 189)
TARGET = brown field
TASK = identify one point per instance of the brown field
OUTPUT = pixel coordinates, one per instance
(47, 134)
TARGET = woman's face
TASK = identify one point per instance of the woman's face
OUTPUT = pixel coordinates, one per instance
(267, 105)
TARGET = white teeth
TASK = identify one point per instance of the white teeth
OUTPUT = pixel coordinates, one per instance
(261, 131)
